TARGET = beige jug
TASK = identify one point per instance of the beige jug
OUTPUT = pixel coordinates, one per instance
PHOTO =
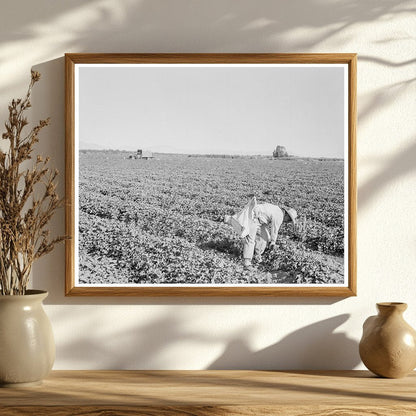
(388, 344)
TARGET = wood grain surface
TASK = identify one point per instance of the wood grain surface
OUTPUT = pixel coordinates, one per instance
(203, 393)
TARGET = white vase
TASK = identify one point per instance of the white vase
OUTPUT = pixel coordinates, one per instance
(27, 347)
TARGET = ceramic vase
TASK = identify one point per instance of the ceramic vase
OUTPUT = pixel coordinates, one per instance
(388, 345)
(27, 347)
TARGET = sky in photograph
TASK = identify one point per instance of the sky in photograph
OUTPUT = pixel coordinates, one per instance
(213, 110)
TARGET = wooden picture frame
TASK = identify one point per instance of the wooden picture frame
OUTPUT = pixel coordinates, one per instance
(80, 114)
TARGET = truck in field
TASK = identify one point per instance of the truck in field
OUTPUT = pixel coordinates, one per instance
(142, 154)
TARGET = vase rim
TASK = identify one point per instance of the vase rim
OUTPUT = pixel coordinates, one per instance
(30, 294)
(400, 306)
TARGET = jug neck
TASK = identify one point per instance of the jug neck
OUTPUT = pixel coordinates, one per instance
(391, 308)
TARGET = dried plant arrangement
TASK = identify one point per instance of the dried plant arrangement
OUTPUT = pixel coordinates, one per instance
(28, 198)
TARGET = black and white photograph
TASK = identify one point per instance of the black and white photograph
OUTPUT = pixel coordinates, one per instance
(211, 175)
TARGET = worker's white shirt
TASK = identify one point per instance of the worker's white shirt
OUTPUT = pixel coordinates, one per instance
(242, 221)
(269, 214)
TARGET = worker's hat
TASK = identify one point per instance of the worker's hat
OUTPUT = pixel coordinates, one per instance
(292, 214)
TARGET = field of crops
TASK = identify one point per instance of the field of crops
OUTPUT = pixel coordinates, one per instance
(160, 221)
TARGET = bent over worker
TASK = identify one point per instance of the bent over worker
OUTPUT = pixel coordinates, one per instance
(258, 226)
(264, 228)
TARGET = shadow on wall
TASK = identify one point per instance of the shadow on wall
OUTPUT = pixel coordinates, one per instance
(48, 99)
(382, 98)
(396, 167)
(142, 347)
(152, 23)
(50, 28)
(313, 347)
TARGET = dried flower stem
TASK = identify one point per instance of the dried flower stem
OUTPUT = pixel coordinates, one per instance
(23, 217)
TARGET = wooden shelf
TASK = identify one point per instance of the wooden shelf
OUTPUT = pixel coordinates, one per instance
(204, 393)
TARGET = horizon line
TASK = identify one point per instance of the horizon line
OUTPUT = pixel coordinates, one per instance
(212, 154)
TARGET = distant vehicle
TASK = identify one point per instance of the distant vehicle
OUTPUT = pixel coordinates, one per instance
(280, 151)
(142, 154)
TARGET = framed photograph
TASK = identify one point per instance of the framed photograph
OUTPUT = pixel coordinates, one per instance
(211, 174)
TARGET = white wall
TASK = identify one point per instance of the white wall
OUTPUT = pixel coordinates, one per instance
(196, 333)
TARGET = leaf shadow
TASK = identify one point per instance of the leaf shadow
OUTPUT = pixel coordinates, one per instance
(315, 346)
